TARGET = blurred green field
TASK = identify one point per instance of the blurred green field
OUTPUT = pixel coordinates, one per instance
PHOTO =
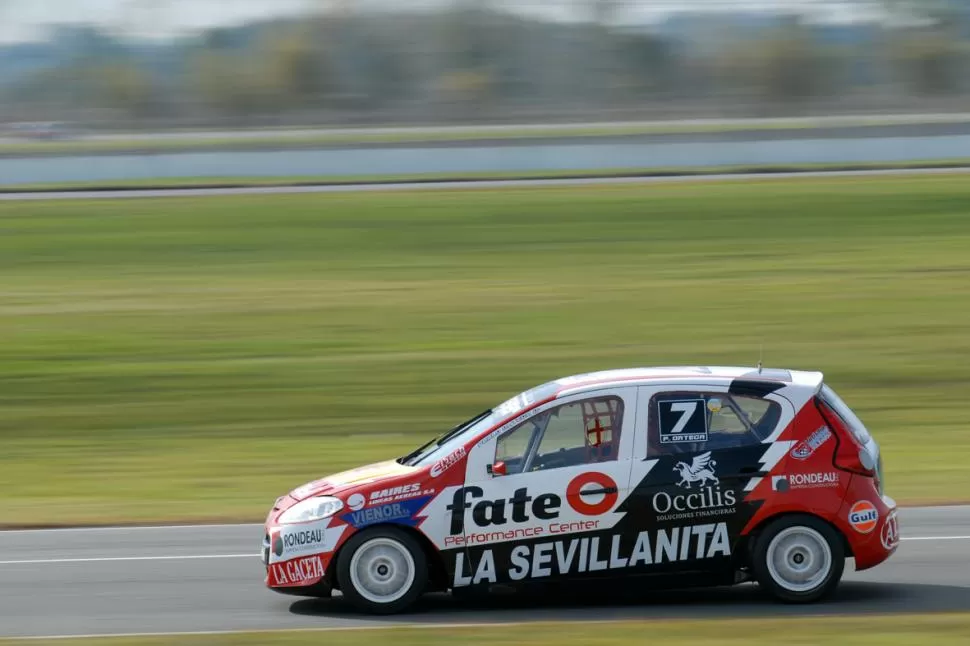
(902, 630)
(190, 359)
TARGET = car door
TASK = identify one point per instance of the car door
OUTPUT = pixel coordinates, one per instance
(540, 498)
(705, 448)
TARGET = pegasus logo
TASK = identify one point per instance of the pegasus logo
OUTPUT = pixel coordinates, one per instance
(701, 469)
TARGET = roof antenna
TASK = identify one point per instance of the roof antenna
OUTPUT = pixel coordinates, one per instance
(761, 354)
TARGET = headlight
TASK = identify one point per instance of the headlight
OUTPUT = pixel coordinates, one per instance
(312, 509)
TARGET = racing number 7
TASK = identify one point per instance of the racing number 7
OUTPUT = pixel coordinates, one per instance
(686, 410)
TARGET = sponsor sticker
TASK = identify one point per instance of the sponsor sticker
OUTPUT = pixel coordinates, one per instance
(355, 501)
(779, 484)
(401, 513)
(683, 420)
(291, 541)
(589, 494)
(705, 500)
(301, 571)
(447, 462)
(821, 480)
(302, 541)
(889, 535)
(804, 449)
(596, 553)
(863, 516)
(515, 421)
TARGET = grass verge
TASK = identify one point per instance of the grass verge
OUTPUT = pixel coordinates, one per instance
(852, 631)
(192, 358)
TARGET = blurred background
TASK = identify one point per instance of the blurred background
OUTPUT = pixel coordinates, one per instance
(186, 357)
(108, 65)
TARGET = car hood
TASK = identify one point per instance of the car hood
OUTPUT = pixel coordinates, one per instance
(344, 480)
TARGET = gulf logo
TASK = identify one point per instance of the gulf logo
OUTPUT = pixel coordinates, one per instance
(863, 516)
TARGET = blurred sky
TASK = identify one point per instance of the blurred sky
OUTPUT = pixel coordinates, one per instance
(23, 20)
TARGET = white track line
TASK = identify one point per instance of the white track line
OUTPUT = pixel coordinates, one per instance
(105, 559)
(192, 557)
(125, 528)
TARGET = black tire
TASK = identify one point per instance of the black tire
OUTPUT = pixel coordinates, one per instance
(354, 588)
(813, 531)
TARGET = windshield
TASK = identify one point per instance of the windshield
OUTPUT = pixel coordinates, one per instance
(449, 441)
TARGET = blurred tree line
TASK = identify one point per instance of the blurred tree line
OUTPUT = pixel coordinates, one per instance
(472, 63)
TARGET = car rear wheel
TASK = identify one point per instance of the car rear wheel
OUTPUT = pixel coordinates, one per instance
(799, 559)
(382, 570)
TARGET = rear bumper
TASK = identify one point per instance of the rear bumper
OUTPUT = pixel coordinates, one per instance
(870, 547)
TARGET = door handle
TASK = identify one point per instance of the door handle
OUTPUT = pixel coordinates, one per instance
(595, 492)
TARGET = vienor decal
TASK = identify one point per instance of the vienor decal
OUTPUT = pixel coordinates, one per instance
(804, 450)
(447, 462)
(589, 554)
(402, 513)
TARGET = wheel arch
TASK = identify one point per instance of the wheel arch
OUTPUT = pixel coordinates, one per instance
(437, 574)
(747, 542)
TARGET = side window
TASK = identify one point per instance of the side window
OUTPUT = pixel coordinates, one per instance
(693, 421)
(581, 432)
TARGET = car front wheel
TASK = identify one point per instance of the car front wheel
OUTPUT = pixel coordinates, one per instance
(799, 559)
(382, 570)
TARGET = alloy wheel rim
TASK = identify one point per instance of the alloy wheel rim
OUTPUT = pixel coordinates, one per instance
(799, 559)
(382, 570)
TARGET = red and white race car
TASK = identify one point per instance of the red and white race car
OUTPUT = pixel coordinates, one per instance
(688, 476)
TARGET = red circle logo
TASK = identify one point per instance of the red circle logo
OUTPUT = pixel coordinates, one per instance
(605, 486)
(863, 516)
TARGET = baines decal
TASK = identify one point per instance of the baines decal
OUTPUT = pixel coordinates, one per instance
(804, 450)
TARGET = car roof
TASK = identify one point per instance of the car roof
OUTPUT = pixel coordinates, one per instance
(685, 375)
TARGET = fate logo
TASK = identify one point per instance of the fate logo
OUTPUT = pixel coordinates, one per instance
(522, 507)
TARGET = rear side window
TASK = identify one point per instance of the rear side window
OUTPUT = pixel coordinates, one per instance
(848, 418)
(692, 421)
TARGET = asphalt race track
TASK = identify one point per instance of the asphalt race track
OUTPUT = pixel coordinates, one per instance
(209, 578)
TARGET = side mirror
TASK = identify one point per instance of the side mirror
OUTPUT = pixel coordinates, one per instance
(497, 469)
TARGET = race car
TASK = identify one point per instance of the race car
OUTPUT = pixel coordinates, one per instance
(682, 477)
